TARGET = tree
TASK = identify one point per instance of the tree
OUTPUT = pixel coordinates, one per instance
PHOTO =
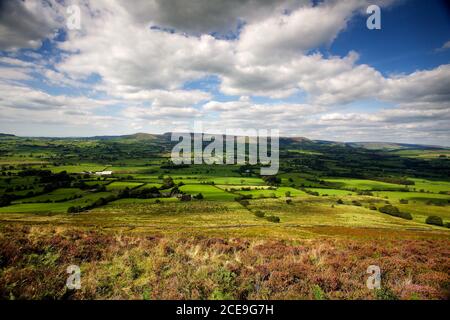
(185, 197)
(273, 219)
(434, 220)
(198, 196)
(168, 183)
(5, 200)
(272, 180)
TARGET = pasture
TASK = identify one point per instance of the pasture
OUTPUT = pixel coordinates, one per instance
(322, 212)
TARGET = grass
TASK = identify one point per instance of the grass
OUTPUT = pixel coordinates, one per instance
(331, 192)
(120, 185)
(56, 195)
(217, 247)
(209, 192)
(220, 180)
(413, 196)
(35, 259)
(361, 184)
(53, 207)
(279, 192)
(305, 217)
(92, 167)
(130, 202)
(435, 186)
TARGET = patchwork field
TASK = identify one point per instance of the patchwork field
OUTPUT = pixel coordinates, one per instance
(359, 184)
(214, 232)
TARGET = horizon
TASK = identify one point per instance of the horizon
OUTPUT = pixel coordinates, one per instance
(209, 133)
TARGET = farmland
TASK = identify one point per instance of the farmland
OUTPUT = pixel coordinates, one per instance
(199, 222)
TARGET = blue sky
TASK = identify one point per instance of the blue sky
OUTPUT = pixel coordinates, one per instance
(307, 69)
(411, 32)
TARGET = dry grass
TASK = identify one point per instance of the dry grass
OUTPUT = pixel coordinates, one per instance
(33, 262)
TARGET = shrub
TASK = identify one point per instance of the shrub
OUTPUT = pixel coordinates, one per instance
(372, 207)
(385, 294)
(274, 219)
(393, 211)
(389, 209)
(244, 202)
(287, 194)
(198, 196)
(434, 220)
(447, 225)
(167, 183)
(356, 203)
(288, 201)
(226, 284)
(404, 201)
(5, 201)
(340, 201)
(259, 214)
(74, 209)
(272, 180)
(318, 293)
(185, 197)
(312, 193)
(71, 210)
(405, 215)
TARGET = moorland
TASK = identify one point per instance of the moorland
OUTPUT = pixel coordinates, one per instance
(141, 227)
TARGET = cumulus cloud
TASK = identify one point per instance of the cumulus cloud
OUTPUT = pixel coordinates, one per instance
(144, 67)
(221, 17)
(24, 24)
(267, 59)
(428, 85)
(17, 96)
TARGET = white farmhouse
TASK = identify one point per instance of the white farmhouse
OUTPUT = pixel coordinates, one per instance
(103, 173)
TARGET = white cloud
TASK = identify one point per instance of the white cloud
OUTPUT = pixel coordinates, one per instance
(16, 96)
(444, 47)
(428, 85)
(274, 55)
(206, 16)
(24, 24)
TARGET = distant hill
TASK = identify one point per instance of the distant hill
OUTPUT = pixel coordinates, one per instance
(392, 146)
(284, 141)
(142, 136)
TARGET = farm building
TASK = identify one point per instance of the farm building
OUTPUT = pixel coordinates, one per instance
(103, 173)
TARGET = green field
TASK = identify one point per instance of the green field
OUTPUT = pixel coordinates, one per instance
(279, 192)
(209, 192)
(331, 192)
(325, 197)
(431, 185)
(56, 195)
(360, 184)
(120, 185)
(219, 180)
(53, 207)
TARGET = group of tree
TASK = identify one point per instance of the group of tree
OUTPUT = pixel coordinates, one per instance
(272, 180)
(394, 211)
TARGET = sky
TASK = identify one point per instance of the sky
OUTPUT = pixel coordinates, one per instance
(307, 68)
